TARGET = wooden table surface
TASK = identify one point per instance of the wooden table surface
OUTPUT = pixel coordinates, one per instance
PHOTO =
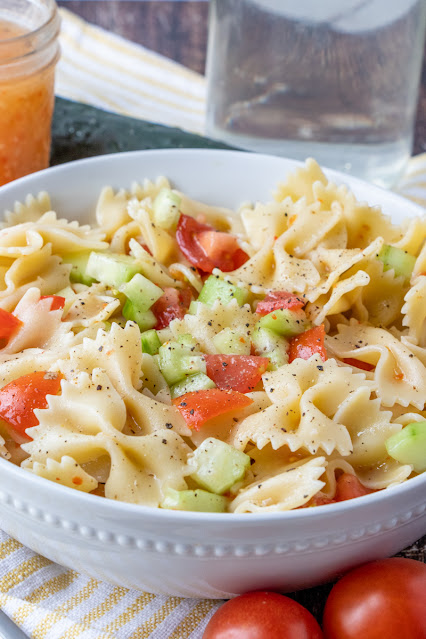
(178, 30)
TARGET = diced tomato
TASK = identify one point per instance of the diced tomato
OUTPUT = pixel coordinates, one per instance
(173, 304)
(277, 300)
(364, 366)
(222, 249)
(348, 487)
(58, 302)
(19, 398)
(9, 324)
(307, 344)
(200, 406)
(206, 248)
(241, 373)
(318, 500)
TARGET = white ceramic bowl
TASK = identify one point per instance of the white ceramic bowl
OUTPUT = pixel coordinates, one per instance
(184, 553)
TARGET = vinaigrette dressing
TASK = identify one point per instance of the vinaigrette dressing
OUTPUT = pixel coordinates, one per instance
(27, 67)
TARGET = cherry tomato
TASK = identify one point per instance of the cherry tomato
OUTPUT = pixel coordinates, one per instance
(198, 407)
(383, 599)
(58, 302)
(173, 304)
(262, 615)
(206, 248)
(241, 373)
(307, 344)
(364, 366)
(277, 300)
(9, 324)
(19, 398)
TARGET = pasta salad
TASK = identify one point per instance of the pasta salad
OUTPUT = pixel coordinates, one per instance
(183, 356)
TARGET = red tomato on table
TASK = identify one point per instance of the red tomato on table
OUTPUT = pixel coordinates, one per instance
(19, 398)
(241, 373)
(384, 599)
(276, 300)
(307, 344)
(198, 407)
(262, 615)
(9, 324)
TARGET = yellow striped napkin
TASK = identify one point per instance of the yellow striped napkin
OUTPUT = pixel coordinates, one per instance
(45, 600)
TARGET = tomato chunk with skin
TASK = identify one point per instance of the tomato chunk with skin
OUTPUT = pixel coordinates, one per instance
(206, 248)
(222, 249)
(58, 302)
(307, 344)
(19, 398)
(357, 363)
(198, 407)
(173, 304)
(277, 300)
(9, 325)
(241, 373)
(348, 487)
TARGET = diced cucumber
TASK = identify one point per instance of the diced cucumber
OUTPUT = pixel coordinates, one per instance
(112, 269)
(285, 322)
(268, 344)
(187, 340)
(144, 319)
(69, 296)
(195, 500)
(176, 361)
(150, 342)
(216, 289)
(193, 307)
(141, 292)
(196, 382)
(217, 465)
(408, 446)
(166, 209)
(231, 342)
(78, 263)
(398, 260)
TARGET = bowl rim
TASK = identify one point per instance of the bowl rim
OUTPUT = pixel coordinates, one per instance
(142, 511)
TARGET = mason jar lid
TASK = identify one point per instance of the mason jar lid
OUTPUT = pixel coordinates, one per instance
(37, 46)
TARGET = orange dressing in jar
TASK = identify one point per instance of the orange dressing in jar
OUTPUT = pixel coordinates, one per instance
(28, 55)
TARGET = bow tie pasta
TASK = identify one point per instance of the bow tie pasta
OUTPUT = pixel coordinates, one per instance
(179, 355)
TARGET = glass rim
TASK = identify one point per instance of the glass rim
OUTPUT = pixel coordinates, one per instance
(37, 39)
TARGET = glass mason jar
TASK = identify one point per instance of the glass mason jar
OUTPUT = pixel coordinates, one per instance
(336, 80)
(29, 51)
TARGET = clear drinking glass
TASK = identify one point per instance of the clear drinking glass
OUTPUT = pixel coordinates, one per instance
(333, 79)
(29, 51)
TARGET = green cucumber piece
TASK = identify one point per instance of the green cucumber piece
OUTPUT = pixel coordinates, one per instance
(218, 466)
(141, 292)
(69, 296)
(111, 269)
(78, 263)
(398, 260)
(195, 500)
(268, 344)
(166, 209)
(150, 342)
(144, 319)
(187, 340)
(176, 361)
(216, 289)
(231, 342)
(285, 322)
(196, 382)
(408, 446)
